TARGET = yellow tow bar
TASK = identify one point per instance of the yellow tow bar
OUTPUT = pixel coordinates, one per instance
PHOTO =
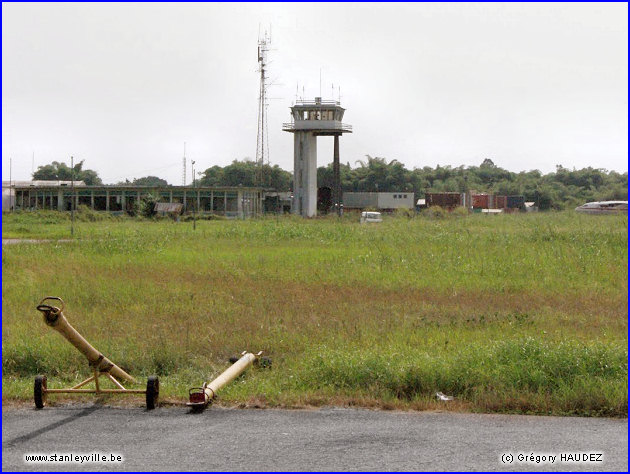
(199, 398)
(101, 365)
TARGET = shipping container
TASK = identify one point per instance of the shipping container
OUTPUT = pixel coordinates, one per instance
(445, 200)
(500, 202)
(480, 201)
(491, 201)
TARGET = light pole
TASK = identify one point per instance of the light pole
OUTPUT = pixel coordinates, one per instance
(11, 193)
(192, 162)
(468, 195)
(72, 197)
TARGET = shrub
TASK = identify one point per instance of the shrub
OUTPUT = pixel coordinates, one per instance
(434, 212)
(460, 211)
(408, 213)
(147, 205)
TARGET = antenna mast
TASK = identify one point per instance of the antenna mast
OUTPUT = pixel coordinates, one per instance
(262, 139)
(184, 167)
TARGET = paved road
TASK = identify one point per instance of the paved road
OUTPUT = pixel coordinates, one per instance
(33, 241)
(326, 439)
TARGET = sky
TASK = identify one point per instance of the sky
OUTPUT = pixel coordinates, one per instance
(123, 86)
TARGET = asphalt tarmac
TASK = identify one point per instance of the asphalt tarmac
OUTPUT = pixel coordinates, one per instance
(221, 439)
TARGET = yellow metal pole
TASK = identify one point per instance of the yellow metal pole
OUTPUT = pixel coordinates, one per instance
(230, 374)
(116, 382)
(210, 390)
(85, 382)
(54, 318)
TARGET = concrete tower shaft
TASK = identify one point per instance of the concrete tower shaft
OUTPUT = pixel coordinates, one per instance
(311, 119)
(304, 174)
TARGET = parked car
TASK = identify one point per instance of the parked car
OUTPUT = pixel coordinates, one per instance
(369, 216)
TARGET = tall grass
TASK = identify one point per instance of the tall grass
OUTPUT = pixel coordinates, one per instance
(519, 313)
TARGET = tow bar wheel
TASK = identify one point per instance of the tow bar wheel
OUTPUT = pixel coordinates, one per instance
(153, 391)
(39, 392)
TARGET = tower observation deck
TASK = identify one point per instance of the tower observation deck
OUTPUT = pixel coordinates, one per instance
(311, 119)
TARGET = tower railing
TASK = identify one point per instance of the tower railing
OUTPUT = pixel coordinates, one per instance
(326, 125)
(317, 102)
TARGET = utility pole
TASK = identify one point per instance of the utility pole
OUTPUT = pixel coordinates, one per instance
(184, 167)
(72, 198)
(192, 162)
(11, 198)
(336, 177)
(468, 195)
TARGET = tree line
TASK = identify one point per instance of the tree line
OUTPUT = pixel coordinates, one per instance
(564, 188)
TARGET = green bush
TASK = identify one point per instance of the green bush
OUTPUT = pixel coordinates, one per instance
(434, 212)
(147, 206)
(460, 211)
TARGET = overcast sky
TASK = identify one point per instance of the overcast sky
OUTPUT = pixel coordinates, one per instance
(123, 86)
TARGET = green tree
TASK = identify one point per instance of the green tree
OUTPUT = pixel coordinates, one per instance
(57, 171)
(150, 181)
(561, 189)
(243, 173)
(277, 178)
(212, 177)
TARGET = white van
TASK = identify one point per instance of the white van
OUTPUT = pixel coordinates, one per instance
(369, 216)
(603, 207)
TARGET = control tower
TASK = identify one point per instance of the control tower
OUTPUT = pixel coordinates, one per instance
(311, 119)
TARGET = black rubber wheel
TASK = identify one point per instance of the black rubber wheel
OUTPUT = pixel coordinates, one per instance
(153, 392)
(265, 362)
(39, 392)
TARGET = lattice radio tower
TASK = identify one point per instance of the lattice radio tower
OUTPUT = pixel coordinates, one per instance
(184, 167)
(262, 140)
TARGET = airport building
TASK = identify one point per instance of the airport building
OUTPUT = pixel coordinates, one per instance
(58, 195)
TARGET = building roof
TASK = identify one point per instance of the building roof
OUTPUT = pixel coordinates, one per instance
(40, 183)
(112, 187)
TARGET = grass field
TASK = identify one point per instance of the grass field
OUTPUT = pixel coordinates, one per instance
(512, 313)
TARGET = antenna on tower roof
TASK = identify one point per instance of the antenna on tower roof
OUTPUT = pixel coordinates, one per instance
(320, 81)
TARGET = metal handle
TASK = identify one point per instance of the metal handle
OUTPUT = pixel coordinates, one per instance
(44, 308)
